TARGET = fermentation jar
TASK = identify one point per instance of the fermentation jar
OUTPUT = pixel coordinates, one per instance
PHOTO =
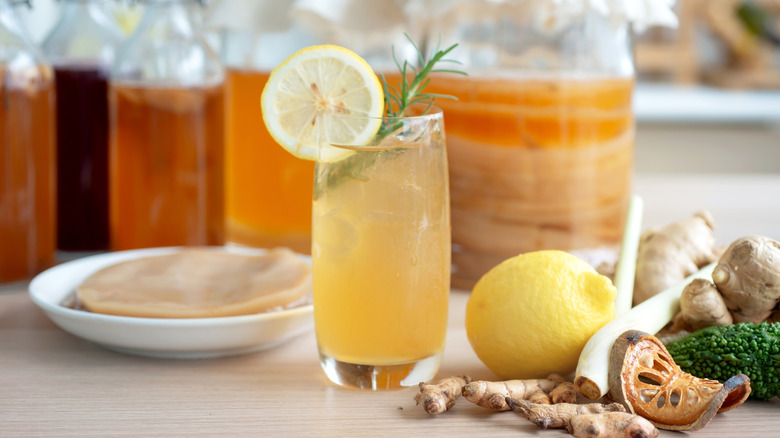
(166, 101)
(81, 48)
(541, 138)
(27, 143)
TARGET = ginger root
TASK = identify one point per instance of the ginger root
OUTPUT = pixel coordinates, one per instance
(565, 392)
(611, 425)
(559, 415)
(492, 395)
(665, 257)
(701, 305)
(440, 396)
(748, 278)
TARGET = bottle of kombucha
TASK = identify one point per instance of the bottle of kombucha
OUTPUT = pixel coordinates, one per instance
(166, 118)
(268, 190)
(27, 143)
(81, 48)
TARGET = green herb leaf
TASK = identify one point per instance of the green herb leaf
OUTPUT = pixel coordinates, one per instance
(399, 99)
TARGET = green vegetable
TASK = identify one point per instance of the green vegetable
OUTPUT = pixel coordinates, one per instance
(720, 352)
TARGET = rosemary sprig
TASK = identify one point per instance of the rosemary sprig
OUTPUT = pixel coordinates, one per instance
(398, 100)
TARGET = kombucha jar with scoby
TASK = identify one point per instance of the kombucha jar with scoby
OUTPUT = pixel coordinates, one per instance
(541, 138)
(27, 148)
(81, 48)
(166, 142)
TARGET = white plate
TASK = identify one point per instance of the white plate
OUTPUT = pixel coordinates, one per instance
(162, 337)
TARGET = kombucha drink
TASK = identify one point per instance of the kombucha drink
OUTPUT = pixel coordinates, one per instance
(535, 164)
(166, 165)
(82, 161)
(269, 191)
(381, 260)
(27, 148)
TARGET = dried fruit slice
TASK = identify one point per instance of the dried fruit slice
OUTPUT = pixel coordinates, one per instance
(643, 376)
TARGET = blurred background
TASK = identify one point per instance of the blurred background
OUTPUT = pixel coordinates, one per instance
(708, 91)
(548, 157)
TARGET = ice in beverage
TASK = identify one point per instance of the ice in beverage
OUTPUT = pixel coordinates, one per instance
(268, 197)
(27, 192)
(535, 164)
(381, 258)
(166, 165)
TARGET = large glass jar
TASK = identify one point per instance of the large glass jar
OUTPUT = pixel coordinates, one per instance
(269, 191)
(166, 101)
(81, 48)
(541, 138)
(27, 143)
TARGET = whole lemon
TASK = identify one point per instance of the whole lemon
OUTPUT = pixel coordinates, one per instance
(532, 314)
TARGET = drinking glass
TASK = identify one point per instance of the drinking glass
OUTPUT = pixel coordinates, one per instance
(381, 254)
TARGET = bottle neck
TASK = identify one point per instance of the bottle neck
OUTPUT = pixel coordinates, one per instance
(10, 24)
(164, 3)
(168, 47)
(176, 16)
(16, 46)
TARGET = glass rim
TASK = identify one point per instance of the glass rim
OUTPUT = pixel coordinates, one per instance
(433, 113)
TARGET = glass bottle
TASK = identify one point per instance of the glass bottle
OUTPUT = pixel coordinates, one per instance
(268, 190)
(166, 104)
(541, 139)
(27, 143)
(81, 48)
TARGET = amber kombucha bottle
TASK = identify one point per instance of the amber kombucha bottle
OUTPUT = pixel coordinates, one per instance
(166, 101)
(27, 142)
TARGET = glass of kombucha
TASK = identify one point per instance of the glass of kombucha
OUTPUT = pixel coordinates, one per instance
(166, 142)
(381, 256)
(81, 47)
(541, 138)
(27, 148)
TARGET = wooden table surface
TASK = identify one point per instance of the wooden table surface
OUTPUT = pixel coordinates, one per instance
(54, 384)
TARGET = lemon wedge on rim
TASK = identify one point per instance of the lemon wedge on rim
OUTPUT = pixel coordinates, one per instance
(315, 81)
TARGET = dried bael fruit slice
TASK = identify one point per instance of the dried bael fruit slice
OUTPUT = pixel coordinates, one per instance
(643, 376)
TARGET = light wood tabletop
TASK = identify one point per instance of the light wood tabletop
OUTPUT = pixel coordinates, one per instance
(55, 384)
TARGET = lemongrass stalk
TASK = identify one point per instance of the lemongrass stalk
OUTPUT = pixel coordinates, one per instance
(626, 266)
(650, 316)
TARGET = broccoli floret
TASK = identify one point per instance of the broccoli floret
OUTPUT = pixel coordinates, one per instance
(720, 352)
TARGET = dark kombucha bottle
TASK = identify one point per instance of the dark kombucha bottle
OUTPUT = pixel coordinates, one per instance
(81, 47)
(82, 161)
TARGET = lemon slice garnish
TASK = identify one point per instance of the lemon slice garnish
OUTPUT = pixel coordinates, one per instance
(315, 81)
